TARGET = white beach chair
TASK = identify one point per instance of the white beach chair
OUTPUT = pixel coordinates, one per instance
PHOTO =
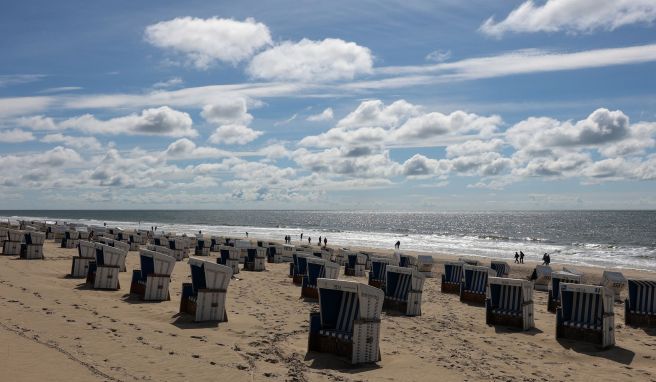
(274, 253)
(425, 265)
(151, 281)
(32, 248)
(408, 261)
(469, 261)
(254, 258)
(615, 281)
(80, 263)
(509, 302)
(348, 321)
(474, 285)
(287, 253)
(71, 239)
(103, 272)
(554, 292)
(317, 268)
(202, 246)
(378, 272)
(543, 273)
(12, 246)
(355, 264)
(229, 256)
(204, 298)
(586, 314)
(640, 305)
(298, 267)
(403, 290)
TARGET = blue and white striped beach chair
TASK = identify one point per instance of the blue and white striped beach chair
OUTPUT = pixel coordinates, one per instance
(640, 305)
(71, 239)
(316, 269)
(229, 256)
(299, 267)
(255, 258)
(586, 314)
(501, 268)
(509, 302)
(32, 246)
(378, 271)
(86, 254)
(407, 261)
(348, 321)
(202, 246)
(474, 283)
(355, 264)
(452, 277)
(151, 281)
(204, 298)
(403, 290)
(554, 293)
(103, 272)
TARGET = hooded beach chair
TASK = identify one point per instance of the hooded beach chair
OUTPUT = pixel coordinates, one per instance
(229, 256)
(202, 246)
(215, 243)
(254, 259)
(180, 247)
(586, 314)
(474, 283)
(274, 253)
(368, 256)
(287, 253)
(554, 292)
(469, 261)
(103, 272)
(32, 248)
(543, 280)
(71, 239)
(378, 271)
(408, 261)
(152, 280)
(425, 265)
(316, 269)
(452, 277)
(204, 298)
(355, 264)
(615, 281)
(501, 268)
(12, 246)
(640, 305)
(80, 264)
(403, 290)
(509, 302)
(299, 267)
(348, 321)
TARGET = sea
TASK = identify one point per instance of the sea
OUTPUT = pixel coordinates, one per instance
(619, 239)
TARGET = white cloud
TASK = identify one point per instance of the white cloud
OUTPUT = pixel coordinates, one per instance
(572, 16)
(438, 55)
(205, 41)
(171, 82)
(312, 61)
(15, 106)
(234, 135)
(80, 143)
(61, 89)
(420, 166)
(17, 79)
(325, 115)
(15, 136)
(227, 111)
(473, 147)
(38, 122)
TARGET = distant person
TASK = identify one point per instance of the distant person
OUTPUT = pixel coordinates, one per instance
(301, 236)
(521, 257)
(548, 259)
(319, 241)
(325, 242)
(246, 234)
(155, 228)
(200, 233)
(151, 228)
(104, 224)
(545, 259)
(534, 275)
(309, 240)
(516, 258)
(398, 244)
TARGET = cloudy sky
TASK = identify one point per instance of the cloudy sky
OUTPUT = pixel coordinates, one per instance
(409, 105)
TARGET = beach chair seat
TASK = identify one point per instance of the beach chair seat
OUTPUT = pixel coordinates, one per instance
(615, 281)
(355, 265)
(473, 288)
(348, 321)
(640, 304)
(509, 302)
(32, 248)
(586, 314)
(204, 298)
(103, 272)
(501, 268)
(254, 258)
(452, 277)
(403, 290)
(316, 269)
(151, 281)
(544, 278)
(554, 292)
(229, 256)
(378, 272)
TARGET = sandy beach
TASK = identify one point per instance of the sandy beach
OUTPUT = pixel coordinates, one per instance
(54, 328)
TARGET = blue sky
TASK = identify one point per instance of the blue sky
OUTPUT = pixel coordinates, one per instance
(413, 105)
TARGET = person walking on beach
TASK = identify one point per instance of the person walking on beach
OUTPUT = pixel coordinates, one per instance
(545, 259)
(325, 242)
(319, 241)
(301, 236)
(521, 257)
(246, 234)
(309, 240)
(516, 258)
(398, 244)
(548, 259)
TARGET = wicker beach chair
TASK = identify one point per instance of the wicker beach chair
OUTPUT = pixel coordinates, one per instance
(151, 281)
(298, 268)
(355, 264)
(378, 272)
(452, 277)
(474, 285)
(501, 268)
(229, 256)
(543, 279)
(425, 265)
(103, 272)
(204, 298)
(615, 281)
(509, 302)
(586, 314)
(202, 246)
(12, 245)
(407, 261)
(554, 292)
(348, 321)
(316, 269)
(403, 290)
(71, 239)
(32, 248)
(80, 264)
(640, 305)
(254, 258)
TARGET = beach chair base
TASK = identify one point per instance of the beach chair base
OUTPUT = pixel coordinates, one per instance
(358, 271)
(179, 254)
(104, 278)
(134, 246)
(310, 292)
(291, 270)
(205, 251)
(377, 283)
(552, 305)
(50, 236)
(411, 307)
(541, 287)
(297, 279)
(361, 348)
(255, 266)
(70, 243)
(234, 264)
(208, 305)
(80, 267)
(275, 259)
(31, 252)
(428, 274)
(513, 320)
(451, 288)
(471, 297)
(579, 334)
(638, 319)
(11, 248)
(156, 288)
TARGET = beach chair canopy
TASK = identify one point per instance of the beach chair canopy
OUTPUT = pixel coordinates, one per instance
(453, 272)
(584, 306)
(475, 277)
(562, 277)
(156, 263)
(399, 281)
(642, 296)
(343, 302)
(500, 267)
(208, 275)
(508, 295)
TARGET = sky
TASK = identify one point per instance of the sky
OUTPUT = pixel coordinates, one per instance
(368, 105)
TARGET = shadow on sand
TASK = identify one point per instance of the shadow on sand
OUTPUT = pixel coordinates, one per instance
(617, 354)
(331, 361)
(186, 321)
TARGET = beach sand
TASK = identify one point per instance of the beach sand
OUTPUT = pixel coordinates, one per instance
(54, 328)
